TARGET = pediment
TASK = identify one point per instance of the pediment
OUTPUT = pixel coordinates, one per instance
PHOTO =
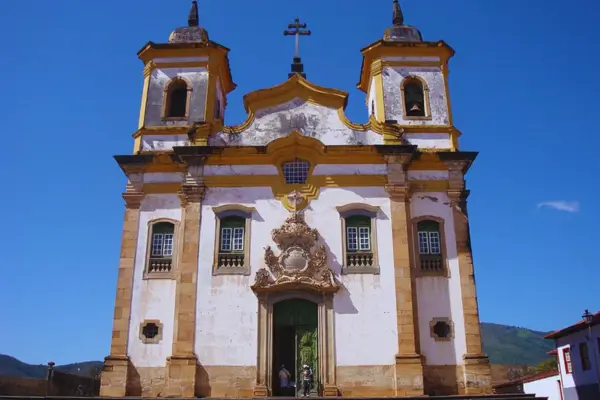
(295, 87)
(297, 106)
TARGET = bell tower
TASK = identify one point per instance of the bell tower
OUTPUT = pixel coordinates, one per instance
(406, 82)
(186, 82)
(406, 78)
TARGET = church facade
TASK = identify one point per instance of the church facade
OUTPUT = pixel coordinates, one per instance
(297, 237)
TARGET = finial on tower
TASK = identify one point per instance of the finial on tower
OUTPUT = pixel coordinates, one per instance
(399, 32)
(193, 19)
(398, 17)
(193, 33)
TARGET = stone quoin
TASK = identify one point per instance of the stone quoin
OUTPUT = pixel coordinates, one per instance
(297, 237)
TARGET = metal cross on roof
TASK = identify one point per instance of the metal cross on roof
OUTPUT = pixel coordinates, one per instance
(296, 29)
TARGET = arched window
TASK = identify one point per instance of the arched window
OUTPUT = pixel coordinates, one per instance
(162, 246)
(177, 99)
(414, 98)
(295, 171)
(429, 239)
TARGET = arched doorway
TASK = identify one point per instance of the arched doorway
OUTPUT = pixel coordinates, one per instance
(295, 342)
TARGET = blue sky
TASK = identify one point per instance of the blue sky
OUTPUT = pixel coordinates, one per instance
(523, 83)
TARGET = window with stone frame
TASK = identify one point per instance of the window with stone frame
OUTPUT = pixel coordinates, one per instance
(584, 356)
(151, 331)
(441, 329)
(430, 246)
(414, 96)
(295, 171)
(177, 99)
(232, 252)
(359, 239)
(161, 249)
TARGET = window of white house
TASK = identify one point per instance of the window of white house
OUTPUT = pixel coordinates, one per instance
(567, 358)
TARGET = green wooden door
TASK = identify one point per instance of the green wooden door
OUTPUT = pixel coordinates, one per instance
(302, 315)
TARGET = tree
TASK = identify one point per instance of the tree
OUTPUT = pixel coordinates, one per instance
(548, 365)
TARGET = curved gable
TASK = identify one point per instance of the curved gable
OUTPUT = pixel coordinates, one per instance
(297, 105)
(295, 87)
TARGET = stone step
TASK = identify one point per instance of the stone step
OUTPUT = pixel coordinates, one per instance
(453, 397)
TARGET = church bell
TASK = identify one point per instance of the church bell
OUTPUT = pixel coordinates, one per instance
(415, 108)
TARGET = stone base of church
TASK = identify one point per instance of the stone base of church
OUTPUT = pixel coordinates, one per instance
(366, 381)
(181, 376)
(115, 376)
(477, 374)
(361, 381)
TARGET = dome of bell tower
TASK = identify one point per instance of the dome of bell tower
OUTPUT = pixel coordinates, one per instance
(399, 32)
(193, 33)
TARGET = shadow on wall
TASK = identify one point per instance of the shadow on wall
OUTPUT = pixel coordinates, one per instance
(343, 300)
(134, 382)
(203, 388)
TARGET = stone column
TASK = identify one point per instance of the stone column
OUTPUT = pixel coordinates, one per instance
(114, 378)
(261, 388)
(477, 372)
(409, 365)
(182, 364)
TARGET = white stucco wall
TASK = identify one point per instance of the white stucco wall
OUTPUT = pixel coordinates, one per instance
(547, 387)
(152, 298)
(440, 297)
(429, 140)
(227, 308)
(372, 99)
(578, 376)
(196, 77)
(163, 142)
(392, 81)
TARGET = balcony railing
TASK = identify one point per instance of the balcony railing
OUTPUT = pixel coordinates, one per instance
(359, 260)
(228, 260)
(160, 265)
(431, 262)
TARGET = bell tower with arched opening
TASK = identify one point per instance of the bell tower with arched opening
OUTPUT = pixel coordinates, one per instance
(186, 82)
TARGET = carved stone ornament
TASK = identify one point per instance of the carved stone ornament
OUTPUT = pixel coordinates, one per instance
(299, 265)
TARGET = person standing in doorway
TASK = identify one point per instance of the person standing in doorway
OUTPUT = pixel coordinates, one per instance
(284, 378)
(306, 380)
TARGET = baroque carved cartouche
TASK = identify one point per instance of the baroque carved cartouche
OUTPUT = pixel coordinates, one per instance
(299, 265)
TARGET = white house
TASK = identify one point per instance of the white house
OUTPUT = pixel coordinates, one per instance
(578, 355)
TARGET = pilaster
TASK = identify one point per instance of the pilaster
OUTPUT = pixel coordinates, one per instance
(114, 378)
(477, 371)
(409, 363)
(182, 365)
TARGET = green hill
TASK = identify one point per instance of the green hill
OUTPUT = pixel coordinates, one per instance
(503, 344)
(512, 345)
(10, 366)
